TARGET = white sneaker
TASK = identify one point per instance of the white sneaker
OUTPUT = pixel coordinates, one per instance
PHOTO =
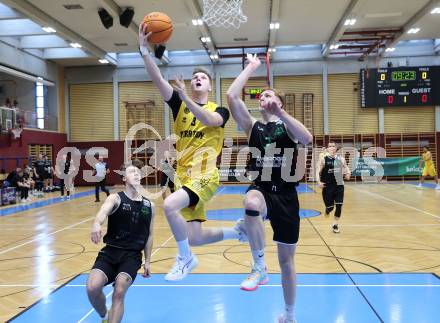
(256, 278)
(68, 198)
(239, 227)
(23, 201)
(420, 185)
(181, 268)
(437, 187)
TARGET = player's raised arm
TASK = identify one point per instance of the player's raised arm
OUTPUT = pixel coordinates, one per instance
(238, 109)
(166, 90)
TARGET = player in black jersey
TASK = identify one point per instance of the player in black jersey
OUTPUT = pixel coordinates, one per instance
(129, 231)
(272, 195)
(39, 173)
(329, 174)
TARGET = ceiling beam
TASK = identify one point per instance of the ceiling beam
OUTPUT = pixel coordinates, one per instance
(14, 42)
(116, 10)
(197, 13)
(43, 19)
(340, 28)
(411, 23)
(30, 77)
(274, 17)
(42, 42)
(63, 53)
(437, 46)
(7, 13)
(19, 27)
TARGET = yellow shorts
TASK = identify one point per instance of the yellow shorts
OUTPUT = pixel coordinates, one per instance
(204, 186)
(429, 171)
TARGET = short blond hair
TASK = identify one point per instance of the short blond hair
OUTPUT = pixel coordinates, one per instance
(201, 69)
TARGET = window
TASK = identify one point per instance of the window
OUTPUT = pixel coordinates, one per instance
(40, 105)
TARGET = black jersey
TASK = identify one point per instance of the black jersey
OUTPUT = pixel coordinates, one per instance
(129, 226)
(39, 165)
(266, 138)
(332, 171)
(48, 166)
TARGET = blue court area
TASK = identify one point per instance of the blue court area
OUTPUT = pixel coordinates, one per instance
(216, 298)
(241, 189)
(37, 204)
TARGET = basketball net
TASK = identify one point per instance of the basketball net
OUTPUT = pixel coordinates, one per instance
(17, 132)
(223, 13)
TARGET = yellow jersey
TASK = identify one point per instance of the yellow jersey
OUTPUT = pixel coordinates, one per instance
(427, 157)
(198, 145)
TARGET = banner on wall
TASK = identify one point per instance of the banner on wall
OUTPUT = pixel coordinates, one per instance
(404, 166)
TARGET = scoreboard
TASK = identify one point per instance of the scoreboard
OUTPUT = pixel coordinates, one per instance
(397, 87)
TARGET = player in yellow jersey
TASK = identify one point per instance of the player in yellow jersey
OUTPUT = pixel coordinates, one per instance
(199, 124)
(429, 168)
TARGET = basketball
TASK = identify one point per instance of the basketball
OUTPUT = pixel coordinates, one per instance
(161, 26)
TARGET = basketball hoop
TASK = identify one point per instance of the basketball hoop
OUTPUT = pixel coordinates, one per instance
(223, 13)
(16, 132)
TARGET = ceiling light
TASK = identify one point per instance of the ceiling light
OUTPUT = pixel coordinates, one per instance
(390, 49)
(75, 45)
(205, 39)
(413, 30)
(197, 22)
(334, 46)
(103, 61)
(213, 56)
(49, 30)
(349, 22)
(435, 11)
(272, 50)
(274, 25)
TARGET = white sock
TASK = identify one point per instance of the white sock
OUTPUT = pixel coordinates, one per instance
(258, 256)
(230, 234)
(184, 250)
(289, 312)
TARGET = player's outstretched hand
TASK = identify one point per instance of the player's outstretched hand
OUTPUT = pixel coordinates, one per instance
(253, 60)
(180, 88)
(143, 35)
(146, 273)
(96, 233)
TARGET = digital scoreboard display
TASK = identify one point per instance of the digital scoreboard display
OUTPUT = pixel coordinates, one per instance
(397, 87)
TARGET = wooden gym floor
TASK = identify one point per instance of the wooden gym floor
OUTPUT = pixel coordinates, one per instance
(389, 228)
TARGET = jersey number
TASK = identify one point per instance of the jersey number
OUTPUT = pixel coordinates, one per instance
(193, 122)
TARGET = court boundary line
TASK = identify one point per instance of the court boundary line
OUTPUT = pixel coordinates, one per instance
(274, 285)
(50, 201)
(397, 202)
(346, 272)
(152, 254)
(46, 235)
(41, 299)
(235, 285)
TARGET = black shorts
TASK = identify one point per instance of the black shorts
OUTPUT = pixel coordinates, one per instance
(333, 194)
(112, 261)
(283, 213)
(163, 182)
